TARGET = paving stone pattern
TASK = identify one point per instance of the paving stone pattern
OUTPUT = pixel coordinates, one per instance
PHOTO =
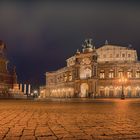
(97, 120)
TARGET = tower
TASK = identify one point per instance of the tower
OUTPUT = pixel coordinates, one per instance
(3, 59)
(7, 78)
(94, 63)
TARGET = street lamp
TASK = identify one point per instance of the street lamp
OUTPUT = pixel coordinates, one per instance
(123, 80)
(35, 93)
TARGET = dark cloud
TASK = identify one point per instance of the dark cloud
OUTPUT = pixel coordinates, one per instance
(40, 35)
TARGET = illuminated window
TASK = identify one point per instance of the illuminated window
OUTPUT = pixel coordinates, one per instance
(138, 74)
(123, 55)
(117, 55)
(111, 74)
(65, 77)
(85, 73)
(70, 77)
(129, 55)
(120, 74)
(102, 75)
(102, 93)
(129, 74)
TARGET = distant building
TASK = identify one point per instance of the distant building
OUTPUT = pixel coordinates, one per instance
(8, 80)
(104, 72)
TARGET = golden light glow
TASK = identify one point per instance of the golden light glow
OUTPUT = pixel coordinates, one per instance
(123, 80)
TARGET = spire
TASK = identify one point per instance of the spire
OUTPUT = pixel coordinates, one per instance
(77, 52)
(106, 42)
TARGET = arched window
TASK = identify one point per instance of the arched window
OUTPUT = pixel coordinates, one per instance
(111, 74)
(70, 76)
(129, 73)
(138, 74)
(120, 73)
(102, 74)
(85, 73)
(65, 77)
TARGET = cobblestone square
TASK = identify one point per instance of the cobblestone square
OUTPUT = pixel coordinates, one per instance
(100, 119)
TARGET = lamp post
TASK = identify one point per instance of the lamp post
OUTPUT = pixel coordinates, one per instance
(122, 80)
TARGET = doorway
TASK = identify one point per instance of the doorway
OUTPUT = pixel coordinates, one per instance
(84, 90)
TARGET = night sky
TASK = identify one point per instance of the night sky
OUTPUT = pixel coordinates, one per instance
(41, 35)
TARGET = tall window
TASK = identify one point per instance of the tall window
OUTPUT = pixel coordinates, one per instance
(138, 74)
(70, 77)
(65, 77)
(129, 55)
(102, 75)
(85, 73)
(129, 74)
(111, 74)
(123, 55)
(120, 74)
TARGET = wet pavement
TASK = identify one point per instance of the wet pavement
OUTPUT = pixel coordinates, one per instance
(100, 119)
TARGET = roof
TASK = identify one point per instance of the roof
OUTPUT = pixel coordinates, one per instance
(114, 47)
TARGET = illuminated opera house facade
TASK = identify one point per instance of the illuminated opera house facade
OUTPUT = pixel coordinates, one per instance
(103, 72)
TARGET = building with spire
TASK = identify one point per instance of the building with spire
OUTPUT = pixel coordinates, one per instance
(108, 71)
(8, 78)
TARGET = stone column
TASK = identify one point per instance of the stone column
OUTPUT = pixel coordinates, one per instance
(133, 72)
(24, 88)
(115, 72)
(96, 89)
(29, 89)
(21, 87)
(77, 73)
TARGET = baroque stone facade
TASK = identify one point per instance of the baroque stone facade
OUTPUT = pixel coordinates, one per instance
(104, 72)
(8, 80)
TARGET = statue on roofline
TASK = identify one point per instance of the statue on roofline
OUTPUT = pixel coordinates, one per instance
(2, 47)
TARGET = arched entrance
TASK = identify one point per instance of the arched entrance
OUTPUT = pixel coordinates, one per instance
(84, 90)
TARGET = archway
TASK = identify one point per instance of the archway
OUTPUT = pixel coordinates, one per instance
(85, 72)
(84, 90)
